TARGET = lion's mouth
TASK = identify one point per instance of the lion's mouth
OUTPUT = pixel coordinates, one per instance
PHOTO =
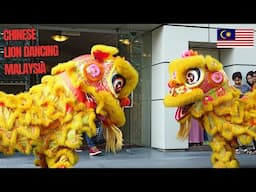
(182, 111)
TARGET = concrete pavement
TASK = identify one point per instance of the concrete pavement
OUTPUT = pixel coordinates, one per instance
(134, 157)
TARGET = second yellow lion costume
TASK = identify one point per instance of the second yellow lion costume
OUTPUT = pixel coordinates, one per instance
(200, 88)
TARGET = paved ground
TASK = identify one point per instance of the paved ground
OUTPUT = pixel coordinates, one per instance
(138, 157)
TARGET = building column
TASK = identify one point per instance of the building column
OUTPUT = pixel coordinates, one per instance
(168, 43)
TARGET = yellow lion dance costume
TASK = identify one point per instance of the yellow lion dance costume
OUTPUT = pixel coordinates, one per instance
(50, 118)
(200, 88)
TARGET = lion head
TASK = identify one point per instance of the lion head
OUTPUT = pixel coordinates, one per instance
(103, 81)
(192, 78)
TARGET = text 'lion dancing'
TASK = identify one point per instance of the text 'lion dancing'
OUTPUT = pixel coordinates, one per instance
(50, 118)
(200, 88)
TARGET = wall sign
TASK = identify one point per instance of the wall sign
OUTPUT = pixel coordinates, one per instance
(36, 51)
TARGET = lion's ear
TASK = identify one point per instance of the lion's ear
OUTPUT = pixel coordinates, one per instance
(212, 63)
(102, 52)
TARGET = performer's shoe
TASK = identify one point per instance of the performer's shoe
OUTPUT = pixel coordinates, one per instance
(93, 151)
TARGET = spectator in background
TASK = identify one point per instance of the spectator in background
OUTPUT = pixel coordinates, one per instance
(254, 80)
(237, 79)
(251, 81)
(206, 139)
(196, 133)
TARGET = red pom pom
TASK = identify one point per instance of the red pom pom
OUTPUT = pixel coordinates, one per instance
(189, 53)
(125, 102)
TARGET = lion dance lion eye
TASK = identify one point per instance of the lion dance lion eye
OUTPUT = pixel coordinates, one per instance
(192, 76)
(118, 82)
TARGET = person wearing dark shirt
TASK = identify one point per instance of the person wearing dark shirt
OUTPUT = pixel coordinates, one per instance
(237, 78)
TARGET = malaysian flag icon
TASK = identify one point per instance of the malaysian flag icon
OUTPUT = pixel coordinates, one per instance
(231, 38)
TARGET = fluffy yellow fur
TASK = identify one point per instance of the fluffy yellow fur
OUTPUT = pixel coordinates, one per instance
(50, 118)
(200, 84)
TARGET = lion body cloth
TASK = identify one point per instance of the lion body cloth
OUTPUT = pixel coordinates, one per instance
(199, 88)
(51, 117)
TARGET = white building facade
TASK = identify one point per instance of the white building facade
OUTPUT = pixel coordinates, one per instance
(168, 42)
